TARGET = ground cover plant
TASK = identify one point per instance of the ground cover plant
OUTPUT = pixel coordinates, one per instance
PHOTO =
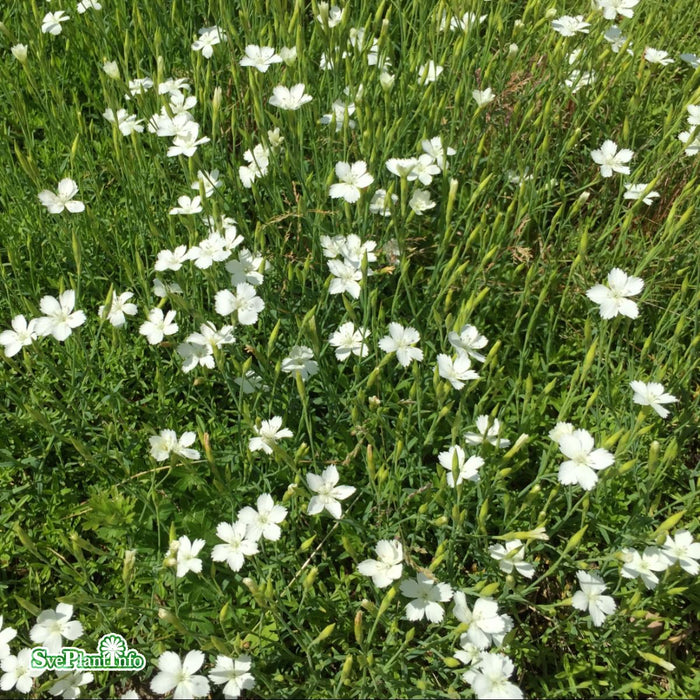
(351, 351)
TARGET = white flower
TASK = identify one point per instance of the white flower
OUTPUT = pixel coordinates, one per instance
(19, 51)
(401, 167)
(488, 432)
(468, 341)
(68, 683)
(267, 435)
(644, 565)
(56, 203)
(171, 259)
(657, 56)
(612, 8)
(512, 556)
(245, 303)
(420, 201)
(127, 123)
(328, 493)
(21, 335)
(457, 371)
(401, 341)
(490, 678)
(428, 73)
(52, 626)
(637, 190)
(51, 24)
(484, 623)
(263, 522)
(288, 54)
(18, 672)
(250, 382)
(161, 290)
(179, 675)
(166, 443)
(559, 430)
(691, 141)
(353, 177)
(591, 598)
(187, 205)
(111, 68)
(206, 182)
(346, 278)
(286, 98)
(347, 340)
(185, 143)
(568, 26)
(258, 160)
(652, 394)
(427, 597)
(158, 325)
(381, 203)
(437, 151)
(260, 57)
(467, 469)
(212, 249)
(611, 160)
(613, 298)
(245, 269)
(60, 319)
(186, 556)
(693, 60)
(234, 673)
(138, 86)
(340, 109)
(329, 16)
(119, 309)
(85, 5)
(683, 550)
(6, 635)
(387, 567)
(300, 360)
(615, 38)
(583, 460)
(238, 544)
(483, 97)
(208, 38)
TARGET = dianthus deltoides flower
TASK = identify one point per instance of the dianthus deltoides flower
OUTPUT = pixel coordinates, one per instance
(583, 460)
(179, 675)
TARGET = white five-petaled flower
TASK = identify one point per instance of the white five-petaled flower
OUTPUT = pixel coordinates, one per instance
(233, 674)
(468, 341)
(591, 597)
(267, 435)
(68, 683)
(51, 24)
(457, 371)
(488, 432)
(346, 340)
(353, 177)
(245, 303)
(346, 278)
(263, 521)
(52, 626)
(60, 319)
(467, 469)
(583, 460)
(57, 202)
(18, 672)
(166, 443)
(328, 492)
(611, 160)
(644, 565)
(429, 73)
(187, 205)
(85, 5)
(484, 623)
(186, 141)
(682, 549)
(206, 182)
(612, 8)
(6, 635)
(636, 191)
(126, 123)
(300, 359)
(657, 56)
(489, 678)
(171, 259)
(289, 98)
(179, 675)
(401, 341)
(260, 57)
(238, 544)
(567, 25)
(652, 394)
(427, 596)
(209, 37)
(21, 335)
(186, 555)
(483, 97)
(613, 298)
(119, 308)
(512, 556)
(158, 325)
(388, 565)
(420, 201)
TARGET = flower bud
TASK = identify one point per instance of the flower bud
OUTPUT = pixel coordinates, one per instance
(387, 81)
(19, 51)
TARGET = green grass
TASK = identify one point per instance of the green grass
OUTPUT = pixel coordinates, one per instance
(78, 487)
